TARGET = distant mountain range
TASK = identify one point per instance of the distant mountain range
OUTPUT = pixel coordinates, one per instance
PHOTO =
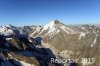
(65, 41)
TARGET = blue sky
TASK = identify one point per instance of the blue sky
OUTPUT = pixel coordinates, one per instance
(40, 12)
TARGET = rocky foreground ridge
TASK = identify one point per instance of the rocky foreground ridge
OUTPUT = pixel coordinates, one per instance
(60, 41)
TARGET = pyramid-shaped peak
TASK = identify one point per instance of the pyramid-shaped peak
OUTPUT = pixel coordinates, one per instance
(55, 22)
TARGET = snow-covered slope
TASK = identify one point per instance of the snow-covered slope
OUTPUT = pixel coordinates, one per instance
(10, 29)
(6, 30)
(52, 28)
(56, 26)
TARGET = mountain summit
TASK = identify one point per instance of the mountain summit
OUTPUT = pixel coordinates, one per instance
(53, 27)
(55, 22)
(52, 24)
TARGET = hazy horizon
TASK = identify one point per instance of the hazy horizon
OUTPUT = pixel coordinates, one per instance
(23, 24)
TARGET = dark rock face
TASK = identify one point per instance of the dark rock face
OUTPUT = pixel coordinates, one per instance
(29, 54)
(2, 40)
(38, 40)
(72, 64)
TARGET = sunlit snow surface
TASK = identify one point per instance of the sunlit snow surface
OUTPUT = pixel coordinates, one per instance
(5, 30)
(82, 35)
(25, 64)
(94, 40)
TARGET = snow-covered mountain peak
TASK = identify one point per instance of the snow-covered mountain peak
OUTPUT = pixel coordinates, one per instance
(9, 25)
(5, 30)
(8, 29)
(55, 22)
(52, 24)
(54, 27)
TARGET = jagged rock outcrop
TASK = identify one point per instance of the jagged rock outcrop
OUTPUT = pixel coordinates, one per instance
(20, 50)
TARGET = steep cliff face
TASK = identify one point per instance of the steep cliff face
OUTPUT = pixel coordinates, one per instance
(78, 42)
